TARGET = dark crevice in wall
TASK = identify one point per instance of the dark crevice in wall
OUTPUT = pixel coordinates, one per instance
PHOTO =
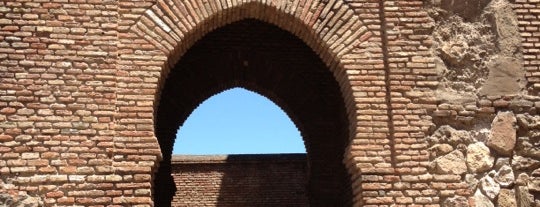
(389, 109)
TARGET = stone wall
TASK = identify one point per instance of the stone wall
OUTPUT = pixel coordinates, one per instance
(441, 97)
(485, 123)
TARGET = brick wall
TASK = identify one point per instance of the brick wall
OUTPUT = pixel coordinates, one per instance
(81, 84)
(528, 12)
(240, 180)
(57, 101)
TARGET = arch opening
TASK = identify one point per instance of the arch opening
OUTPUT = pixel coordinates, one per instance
(238, 121)
(268, 60)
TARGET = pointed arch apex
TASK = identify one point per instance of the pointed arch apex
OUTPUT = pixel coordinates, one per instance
(175, 26)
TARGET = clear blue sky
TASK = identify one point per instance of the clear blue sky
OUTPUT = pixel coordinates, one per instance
(238, 121)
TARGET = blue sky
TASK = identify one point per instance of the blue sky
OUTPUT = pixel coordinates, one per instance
(238, 121)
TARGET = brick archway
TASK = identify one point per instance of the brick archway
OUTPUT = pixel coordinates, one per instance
(165, 31)
(263, 58)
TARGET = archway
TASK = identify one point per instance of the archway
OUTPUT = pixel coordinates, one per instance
(262, 58)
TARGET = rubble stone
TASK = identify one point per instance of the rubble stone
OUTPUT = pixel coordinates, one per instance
(456, 201)
(489, 187)
(534, 185)
(471, 180)
(501, 161)
(506, 198)
(503, 133)
(524, 199)
(478, 158)
(525, 147)
(452, 163)
(522, 179)
(480, 200)
(449, 135)
(524, 163)
(505, 176)
(440, 149)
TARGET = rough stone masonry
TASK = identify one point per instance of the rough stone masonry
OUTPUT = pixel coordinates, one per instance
(437, 100)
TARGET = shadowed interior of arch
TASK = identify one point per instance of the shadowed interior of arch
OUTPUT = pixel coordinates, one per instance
(238, 121)
(272, 62)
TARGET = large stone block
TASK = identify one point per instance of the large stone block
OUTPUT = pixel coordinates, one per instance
(505, 75)
(503, 133)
